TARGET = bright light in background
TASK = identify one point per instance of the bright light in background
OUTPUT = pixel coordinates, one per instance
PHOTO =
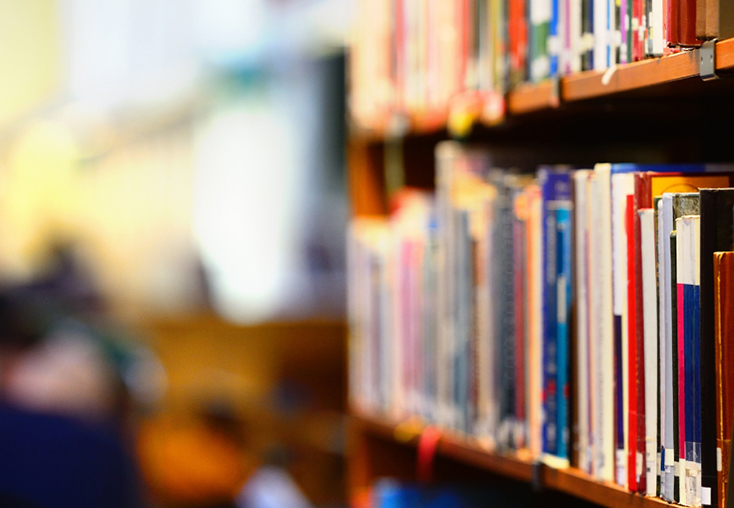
(129, 83)
(247, 195)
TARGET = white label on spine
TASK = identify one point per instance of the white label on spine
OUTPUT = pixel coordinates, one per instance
(706, 496)
(718, 459)
(621, 473)
(669, 458)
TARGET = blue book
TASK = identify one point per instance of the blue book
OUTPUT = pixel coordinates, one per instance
(688, 280)
(564, 284)
(554, 37)
(556, 193)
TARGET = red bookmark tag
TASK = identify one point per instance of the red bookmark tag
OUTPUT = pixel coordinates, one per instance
(427, 446)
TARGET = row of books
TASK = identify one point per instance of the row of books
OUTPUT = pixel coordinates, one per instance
(419, 57)
(583, 316)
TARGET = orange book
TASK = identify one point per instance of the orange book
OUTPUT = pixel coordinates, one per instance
(724, 355)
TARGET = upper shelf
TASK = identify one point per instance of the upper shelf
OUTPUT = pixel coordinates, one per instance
(640, 76)
(569, 481)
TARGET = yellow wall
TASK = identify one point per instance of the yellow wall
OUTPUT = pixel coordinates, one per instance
(31, 55)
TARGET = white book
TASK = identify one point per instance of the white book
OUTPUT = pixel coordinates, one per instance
(656, 41)
(622, 186)
(486, 355)
(604, 319)
(602, 418)
(575, 34)
(650, 338)
(581, 179)
(446, 153)
(667, 482)
(662, 347)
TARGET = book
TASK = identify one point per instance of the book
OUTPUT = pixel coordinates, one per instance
(648, 186)
(688, 301)
(716, 235)
(583, 378)
(650, 322)
(723, 277)
(534, 271)
(555, 189)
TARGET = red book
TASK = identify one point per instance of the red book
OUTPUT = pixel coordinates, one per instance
(642, 199)
(687, 23)
(518, 40)
(632, 348)
(671, 16)
(638, 48)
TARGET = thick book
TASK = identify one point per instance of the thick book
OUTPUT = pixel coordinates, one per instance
(724, 345)
(678, 377)
(519, 241)
(688, 280)
(650, 323)
(634, 458)
(601, 318)
(716, 235)
(622, 185)
(505, 320)
(555, 188)
(674, 205)
(534, 271)
(581, 261)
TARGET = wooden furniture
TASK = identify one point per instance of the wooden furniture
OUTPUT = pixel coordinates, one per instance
(656, 110)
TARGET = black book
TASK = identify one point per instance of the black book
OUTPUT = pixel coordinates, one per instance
(716, 235)
(674, 308)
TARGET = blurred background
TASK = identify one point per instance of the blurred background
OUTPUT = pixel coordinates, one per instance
(172, 287)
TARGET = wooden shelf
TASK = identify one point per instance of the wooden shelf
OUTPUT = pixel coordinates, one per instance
(643, 76)
(463, 450)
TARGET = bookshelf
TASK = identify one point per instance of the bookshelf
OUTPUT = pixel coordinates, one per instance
(634, 110)
(367, 430)
(642, 77)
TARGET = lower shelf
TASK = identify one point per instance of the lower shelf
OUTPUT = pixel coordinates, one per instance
(403, 438)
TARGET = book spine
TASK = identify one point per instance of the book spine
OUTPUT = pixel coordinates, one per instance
(632, 464)
(550, 326)
(555, 31)
(724, 332)
(601, 35)
(506, 321)
(682, 379)
(716, 235)
(581, 260)
(650, 321)
(586, 44)
(641, 200)
(519, 250)
(535, 315)
(678, 380)
(688, 245)
(687, 23)
(564, 300)
(666, 334)
(540, 21)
